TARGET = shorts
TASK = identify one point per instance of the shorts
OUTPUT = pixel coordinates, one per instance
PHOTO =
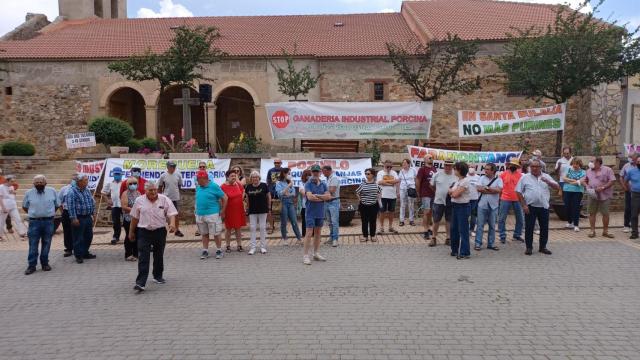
(426, 203)
(175, 203)
(313, 222)
(209, 224)
(440, 210)
(387, 205)
(601, 206)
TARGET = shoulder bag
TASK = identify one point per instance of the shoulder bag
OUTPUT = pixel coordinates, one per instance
(411, 192)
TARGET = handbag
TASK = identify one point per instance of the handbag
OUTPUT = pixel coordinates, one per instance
(411, 192)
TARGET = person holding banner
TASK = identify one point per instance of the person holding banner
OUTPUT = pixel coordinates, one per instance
(170, 184)
(317, 194)
(426, 192)
(111, 191)
(235, 216)
(388, 180)
(489, 186)
(332, 207)
(441, 182)
(286, 193)
(210, 205)
(509, 200)
(533, 194)
(408, 192)
(128, 199)
(368, 196)
(461, 203)
(259, 200)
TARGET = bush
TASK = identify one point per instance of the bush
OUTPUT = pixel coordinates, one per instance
(111, 131)
(245, 144)
(134, 145)
(150, 143)
(18, 148)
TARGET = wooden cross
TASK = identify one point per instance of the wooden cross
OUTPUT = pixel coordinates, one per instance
(186, 101)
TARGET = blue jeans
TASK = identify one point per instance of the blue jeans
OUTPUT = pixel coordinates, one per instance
(460, 229)
(472, 218)
(572, 200)
(542, 216)
(82, 236)
(502, 222)
(486, 216)
(288, 213)
(39, 230)
(332, 214)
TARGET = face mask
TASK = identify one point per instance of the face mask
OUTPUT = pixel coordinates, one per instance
(74, 183)
(117, 177)
(40, 188)
(132, 187)
(591, 166)
(135, 173)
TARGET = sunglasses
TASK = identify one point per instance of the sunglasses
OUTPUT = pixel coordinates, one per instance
(367, 173)
(133, 183)
(202, 166)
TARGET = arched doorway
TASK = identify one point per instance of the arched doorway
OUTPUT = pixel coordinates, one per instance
(235, 114)
(127, 104)
(170, 120)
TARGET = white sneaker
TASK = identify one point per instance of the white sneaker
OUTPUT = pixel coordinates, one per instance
(306, 260)
(568, 225)
(263, 251)
(318, 257)
(626, 230)
(334, 243)
(252, 251)
(576, 229)
(537, 232)
(285, 242)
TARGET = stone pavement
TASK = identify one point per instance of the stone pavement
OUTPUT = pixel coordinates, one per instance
(397, 299)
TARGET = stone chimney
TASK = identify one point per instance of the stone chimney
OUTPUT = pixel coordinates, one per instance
(83, 9)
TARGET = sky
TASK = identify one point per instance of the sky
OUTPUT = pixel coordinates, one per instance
(12, 12)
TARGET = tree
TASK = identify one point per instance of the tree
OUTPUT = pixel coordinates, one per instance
(437, 68)
(569, 57)
(292, 82)
(183, 63)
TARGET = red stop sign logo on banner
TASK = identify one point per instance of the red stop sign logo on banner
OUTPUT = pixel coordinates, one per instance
(280, 119)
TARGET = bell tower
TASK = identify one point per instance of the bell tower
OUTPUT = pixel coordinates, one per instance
(83, 9)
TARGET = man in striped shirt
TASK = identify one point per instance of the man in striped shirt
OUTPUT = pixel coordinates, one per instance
(82, 208)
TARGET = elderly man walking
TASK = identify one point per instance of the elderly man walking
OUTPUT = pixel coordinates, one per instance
(40, 203)
(533, 193)
(149, 225)
(82, 208)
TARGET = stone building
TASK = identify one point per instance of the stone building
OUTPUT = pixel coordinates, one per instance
(58, 77)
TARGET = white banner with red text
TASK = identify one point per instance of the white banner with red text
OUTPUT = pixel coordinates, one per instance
(350, 171)
(473, 123)
(631, 148)
(476, 159)
(151, 169)
(350, 120)
(93, 169)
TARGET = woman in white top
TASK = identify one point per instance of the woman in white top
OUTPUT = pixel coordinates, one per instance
(460, 201)
(9, 207)
(407, 181)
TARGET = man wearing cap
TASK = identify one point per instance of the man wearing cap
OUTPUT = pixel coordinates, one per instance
(509, 199)
(170, 184)
(425, 190)
(136, 172)
(149, 225)
(332, 207)
(82, 208)
(40, 203)
(441, 182)
(66, 222)
(111, 190)
(317, 193)
(210, 206)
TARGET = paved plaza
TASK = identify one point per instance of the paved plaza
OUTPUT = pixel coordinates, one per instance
(397, 299)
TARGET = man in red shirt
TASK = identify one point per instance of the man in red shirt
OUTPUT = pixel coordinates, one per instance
(136, 173)
(426, 192)
(509, 199)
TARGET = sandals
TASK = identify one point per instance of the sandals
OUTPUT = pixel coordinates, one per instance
(373, 239)
(608, 236)
(393, 231)
(494, 248)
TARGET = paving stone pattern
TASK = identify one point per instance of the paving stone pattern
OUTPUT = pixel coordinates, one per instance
(398, 300)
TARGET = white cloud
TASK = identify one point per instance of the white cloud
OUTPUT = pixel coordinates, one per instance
(387, 10)
(13, 12)
(167, 9)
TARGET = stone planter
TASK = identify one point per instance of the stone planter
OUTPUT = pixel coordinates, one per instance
(181, 156)
(115, 150)
(142, 156)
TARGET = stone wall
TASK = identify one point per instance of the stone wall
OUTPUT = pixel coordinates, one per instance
(21, 164)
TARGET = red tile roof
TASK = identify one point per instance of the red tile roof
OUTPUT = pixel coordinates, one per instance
(478, 19)
(315, 35)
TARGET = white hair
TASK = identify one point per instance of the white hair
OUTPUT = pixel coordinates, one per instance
(80, 177)
(150, 184)
(39, 178)
(254, 173)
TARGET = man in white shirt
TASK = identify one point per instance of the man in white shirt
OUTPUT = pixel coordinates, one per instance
(332, 207)
(112, 192)
(441, 182)
(388, 181)
(533, 193)
(563, 164)
(473, 196)
(170, 184)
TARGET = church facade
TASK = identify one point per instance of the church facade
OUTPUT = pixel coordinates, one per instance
(58, 78)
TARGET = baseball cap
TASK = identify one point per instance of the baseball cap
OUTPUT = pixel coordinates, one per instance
(171, 163)
(315, 168)
(136, 168)
(202, 174)
(117, 171)
(448, 162)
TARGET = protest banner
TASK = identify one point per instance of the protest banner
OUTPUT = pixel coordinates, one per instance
(93, 169)
(80, 140)
(475, 159)
(350, 171)
(487, 123)
(350, 120)
(631, 148)
(153, 168)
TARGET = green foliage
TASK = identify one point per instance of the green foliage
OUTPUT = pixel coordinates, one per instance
(111, 131)
(575, 54)
(292, 82)
(437, 68)
(245, 144)
(150, 143)
(373, 148)
(134, 145)
(18, 148)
